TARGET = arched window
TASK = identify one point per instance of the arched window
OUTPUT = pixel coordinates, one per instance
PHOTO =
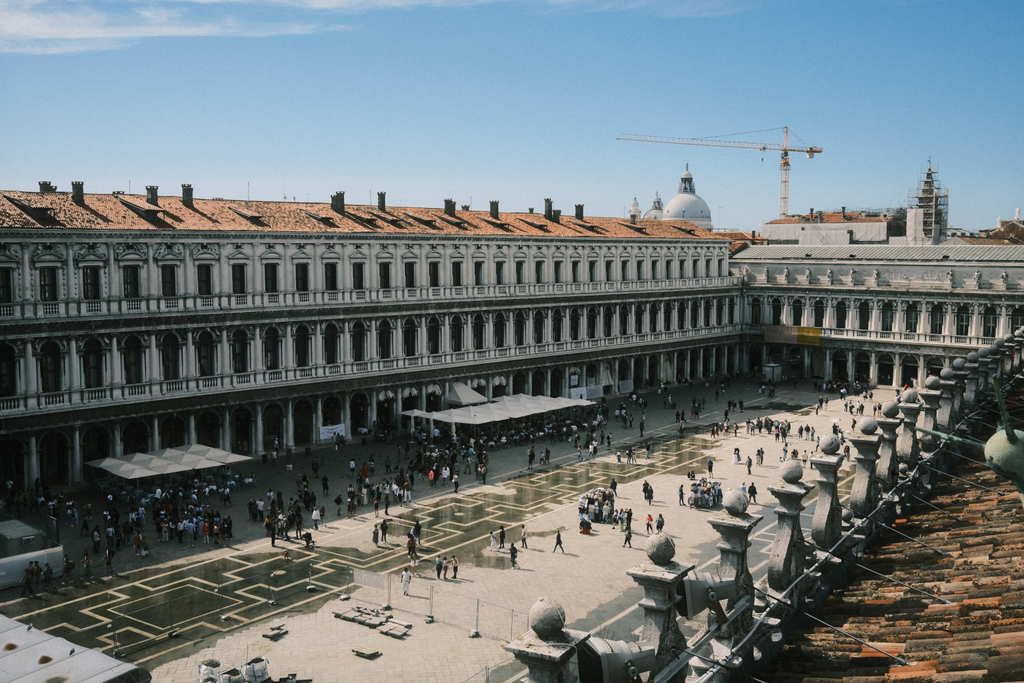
(841, 315)
(301, 346)
(358, 339)
(478, 332)
(499, 331)
(732, 311)
(937, 313)
(623, 320)
(591, 323)
(819, 313)
(695, 313)
(639, 313)
(272, 349)
(556, 326)
(384, 340)
(707, 306)
(888, 316)
(538, 327)
(240, 351)
(133, 357)
(864, 315)
(989, 321)
(912, 316)
(776, 311)
(681, 314)
(719, 312)
(458, 333)
(963, 321)
(1017, 318)
(330, 344)
(206, 354)
(170, 354)
(667, 317)
(8, 370)
(755, 311)
(798, 312)
(654, 317)
(519, 329)
(433, 336)
(410, 332)
(92, 364)
(574, 324)
(609, 321)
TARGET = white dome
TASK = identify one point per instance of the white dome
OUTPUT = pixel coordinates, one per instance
(687, 205)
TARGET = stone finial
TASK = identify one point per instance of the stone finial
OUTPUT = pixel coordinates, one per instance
(891, 409)
(787, 558)
(973, 367)
(959, 363)
(909, 396)
(660, 549)
(831, 445)
(867, 425)
(946, 373)
(547, 618)
(825, 525)
(792, 471)
(735, 502)
(932, 382)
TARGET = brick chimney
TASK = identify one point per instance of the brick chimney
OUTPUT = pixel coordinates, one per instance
(449, 207)
(579, 212)
(186, 196)
(46, 186)
(494, 210)
(844, 213)
(547, 209)
(78, 192)
(338, 202)
(632, 219)
(381, 204)
(465, 207)
(556, 216)
(151, 195)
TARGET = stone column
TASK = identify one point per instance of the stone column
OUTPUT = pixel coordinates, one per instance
(787, 559)
(289, 427)
(76, 454)
(947, 385)
(225, 431)
(960, 379)
(659, 575)
(864, 496)
(907, 448)
(115, 363)
(31, 383)
(825, 525)
(154, 435)
(548, 647)
(971, 367)
(888, 463)
(74, 379)
(983, 376)
(154, 360)
(191, 428)
(257, 447)
(190, 361)
(118, 444)
(930, 395)
(32, 471)
(319, 419)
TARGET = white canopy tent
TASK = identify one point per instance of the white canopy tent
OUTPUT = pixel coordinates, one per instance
(505, 408)
(462, 395)
(168, 461)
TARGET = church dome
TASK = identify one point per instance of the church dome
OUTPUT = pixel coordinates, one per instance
(687, 205)
(656, 210)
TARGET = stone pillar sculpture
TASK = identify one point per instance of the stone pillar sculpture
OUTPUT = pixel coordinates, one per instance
(930, 395)
(1008, 354)
(1018, 345)
(983, 375)
(960, 378)
(864, 496)
(973, 368)
(659, 575)
(734, 526)
(947, 385)
(787, 559)
(906, 444)
(888, 463)
(827, 520)
(995, 367)
(547, 647)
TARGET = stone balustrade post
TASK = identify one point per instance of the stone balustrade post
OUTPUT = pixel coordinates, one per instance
(983, 373)
(947, 385)
(827, 520)
(734, 525)
(658, 576)
(1008, 354)
(996, 359)
(973, 369)
(787, 560)
(548, 646)
(865, 493)
(930, 395)
(907, 448)
(960, 378)
(888, 463)
(1018, 345)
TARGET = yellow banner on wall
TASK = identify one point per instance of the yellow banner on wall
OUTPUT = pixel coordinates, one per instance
(788, 334)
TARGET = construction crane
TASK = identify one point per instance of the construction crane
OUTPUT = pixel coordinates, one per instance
(708, 142)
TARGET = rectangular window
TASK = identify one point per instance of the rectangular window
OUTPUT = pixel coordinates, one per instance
(204, 279)
(558, 271)
(301, 277)
(6, 285)
(91, 283)
(538, 272)
(520, 272)
(654, 270)
(681, 273)
(639, 270)
(592, 271)
(358, 276)
(410, 274)
(707, 268)
(608, 271)
(478, 273)
(694, 268)
(270, 278)
(330, 277)
(575, 271)
(238, 279)
(668, 269)
(168, 281)
(456, 273)
(624, 270)
(130, 282)
(434, 273)
(48, 284)
(499, 273)
(384, 273)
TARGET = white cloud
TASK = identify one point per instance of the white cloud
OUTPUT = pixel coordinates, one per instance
(58, 26)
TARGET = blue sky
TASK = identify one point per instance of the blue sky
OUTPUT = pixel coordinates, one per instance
(517, 100)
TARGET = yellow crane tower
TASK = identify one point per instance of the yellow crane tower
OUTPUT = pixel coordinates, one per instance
(709, 142)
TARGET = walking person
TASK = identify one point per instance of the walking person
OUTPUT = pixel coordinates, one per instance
(455, 481)
(109, 557)
(494, 542)
(384, 531)
(752, 492)
(316, 519)
(501, 538)
(513, 553)
(558, 541)
(660, 524)
(438, 565)
(26, 582)
(455, 568)
(523, 539)
(629, 539)
(711, 467)
(650, 523)
(406, 580)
